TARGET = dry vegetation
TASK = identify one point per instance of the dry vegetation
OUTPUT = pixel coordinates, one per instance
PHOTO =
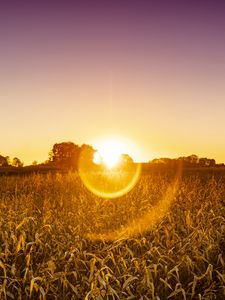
(46, 252)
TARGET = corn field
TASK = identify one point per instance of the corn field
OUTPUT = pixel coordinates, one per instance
(59, 241)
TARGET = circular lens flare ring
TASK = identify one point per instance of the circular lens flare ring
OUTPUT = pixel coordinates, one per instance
(141, 225)
(107, 178)
(137, 225)
(98, 191)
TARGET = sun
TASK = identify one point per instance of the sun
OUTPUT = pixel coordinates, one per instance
(108, 173)
(109, 153)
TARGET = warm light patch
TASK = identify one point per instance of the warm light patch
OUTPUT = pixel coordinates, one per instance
(106, 172)
(109, 153)
(97, 159)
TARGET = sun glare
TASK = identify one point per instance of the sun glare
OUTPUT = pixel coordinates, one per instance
(106, 174)
(109, 153)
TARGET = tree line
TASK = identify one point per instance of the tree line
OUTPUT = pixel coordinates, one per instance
(66, 155)
(5, 161)
(187, 162)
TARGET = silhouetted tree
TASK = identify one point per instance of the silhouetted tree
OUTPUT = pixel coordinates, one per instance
(8, 160)
(4, 161)
(206, 162)
(155, 161)
(212, 163)
(192, 159)
(88, 151)
(16, 162)
(126, 159)
(66, 155)
(186, 161)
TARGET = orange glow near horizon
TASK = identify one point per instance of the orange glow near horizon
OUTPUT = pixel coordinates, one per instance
(109, 152)
(104, 174)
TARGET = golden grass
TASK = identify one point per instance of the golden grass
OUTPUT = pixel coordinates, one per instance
(46, 249)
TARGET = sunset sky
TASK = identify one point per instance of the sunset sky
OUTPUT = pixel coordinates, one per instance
(152, 72)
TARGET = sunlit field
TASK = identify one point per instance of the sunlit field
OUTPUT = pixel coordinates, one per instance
(162, 240)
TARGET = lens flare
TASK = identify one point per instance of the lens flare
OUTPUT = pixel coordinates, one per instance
(137, 226)
(108, 174)
(109, 152)
(110, 159)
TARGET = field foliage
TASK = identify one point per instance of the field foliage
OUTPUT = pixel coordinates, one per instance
(51, 245)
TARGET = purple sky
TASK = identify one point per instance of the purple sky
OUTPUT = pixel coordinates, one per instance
(151, 71)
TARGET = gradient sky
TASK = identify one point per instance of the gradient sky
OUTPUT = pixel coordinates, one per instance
(150, 71)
